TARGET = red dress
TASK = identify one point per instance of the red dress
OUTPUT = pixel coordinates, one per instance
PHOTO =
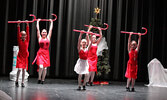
(43, 57)
(92, 58)
(131, 71)
(22, 57)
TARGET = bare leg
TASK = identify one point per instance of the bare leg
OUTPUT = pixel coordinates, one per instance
(23, 75)
(127, 86)
(85, 79)
(88, 77)
(92, 76)
(44, 74)
(18, 73)
(128, 82)
(40, 73)
(79, 79)
(133, 83)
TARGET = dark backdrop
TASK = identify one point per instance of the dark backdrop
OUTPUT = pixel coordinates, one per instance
(129, 15)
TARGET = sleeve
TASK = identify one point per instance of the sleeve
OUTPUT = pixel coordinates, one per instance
(28, 34)
(18, 34)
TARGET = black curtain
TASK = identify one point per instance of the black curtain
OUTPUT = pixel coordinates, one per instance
(127, 15)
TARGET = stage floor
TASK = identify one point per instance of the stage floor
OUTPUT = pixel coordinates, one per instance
(61, 89)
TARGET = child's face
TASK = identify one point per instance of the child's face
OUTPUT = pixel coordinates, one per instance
(83, 43)
(133, 45)
(94, 38)
(44, 33)
(23, 35)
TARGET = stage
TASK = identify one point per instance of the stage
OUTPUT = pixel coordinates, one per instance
(63, 89)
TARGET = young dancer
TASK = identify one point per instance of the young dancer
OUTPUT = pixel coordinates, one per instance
(92, 57)
(43, 58)
(132, 66)
(22, 57)
(82, 66)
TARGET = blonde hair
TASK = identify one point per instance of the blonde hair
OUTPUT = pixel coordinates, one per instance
(23, 32)
(132, 42)
(84, 40)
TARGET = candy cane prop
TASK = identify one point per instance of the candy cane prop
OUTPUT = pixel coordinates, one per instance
(136, 33)
(80, 31)
(48, 19)
(34, 19)
(100, 27)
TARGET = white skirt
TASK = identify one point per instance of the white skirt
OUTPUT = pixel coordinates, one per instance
(81, 67)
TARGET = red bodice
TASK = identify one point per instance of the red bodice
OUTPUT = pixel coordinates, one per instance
(133, 54)
(83, 54)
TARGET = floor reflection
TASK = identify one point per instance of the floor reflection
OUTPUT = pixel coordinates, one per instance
(90, 97)
(23, 94)
(128, 97)
(20, 93)
(39, 95)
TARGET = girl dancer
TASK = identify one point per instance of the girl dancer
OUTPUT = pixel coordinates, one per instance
(131, 71)
(43, 59)
(22, 57)
(92, 57)
(82, 66)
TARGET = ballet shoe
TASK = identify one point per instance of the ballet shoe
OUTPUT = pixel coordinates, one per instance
(133, 90)
(42, 82)
(22, 84)
(91, 84)
(39, 81)
(79, 88)
(84, 87)
(127, 89)
(17, 84)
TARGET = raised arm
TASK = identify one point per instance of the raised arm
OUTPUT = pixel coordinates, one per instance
(38, 30)
(129, 41)
(139, 41)
(87, 35)
(50, 29)
(87, 38)
(98, 41)
(79, 41)
(89, 45)
(18, 32)
(27, 32)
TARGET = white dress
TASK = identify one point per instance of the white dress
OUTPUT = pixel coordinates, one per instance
(157, 74)
(82, 66)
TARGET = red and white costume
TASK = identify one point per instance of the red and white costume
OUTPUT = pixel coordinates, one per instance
(82, 66)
